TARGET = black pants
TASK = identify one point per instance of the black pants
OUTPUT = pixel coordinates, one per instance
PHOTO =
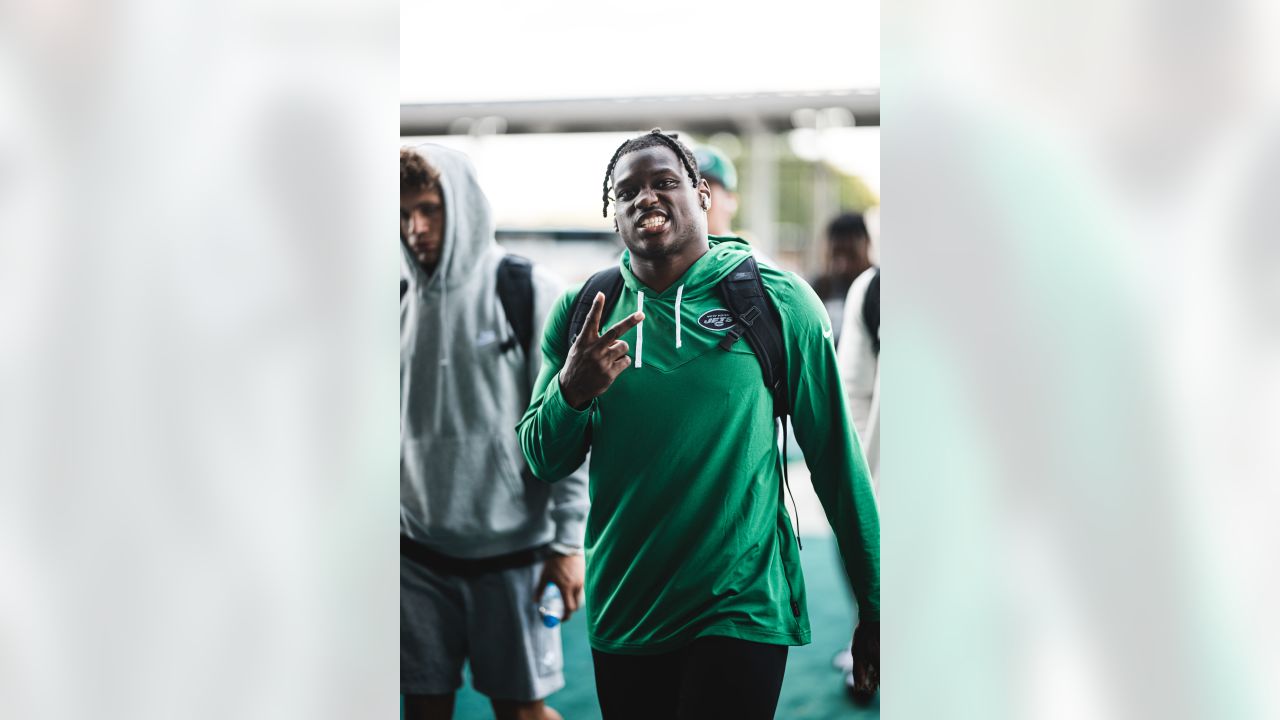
(714, 677)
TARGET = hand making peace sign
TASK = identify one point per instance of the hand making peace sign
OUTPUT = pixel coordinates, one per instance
(595, 360)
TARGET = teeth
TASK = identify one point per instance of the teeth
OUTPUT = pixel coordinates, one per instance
(654, 221)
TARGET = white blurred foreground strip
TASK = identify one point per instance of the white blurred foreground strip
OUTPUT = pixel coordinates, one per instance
(1082, 371)
(197, 388)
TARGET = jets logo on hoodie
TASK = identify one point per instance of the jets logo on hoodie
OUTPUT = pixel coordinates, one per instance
(718, 320)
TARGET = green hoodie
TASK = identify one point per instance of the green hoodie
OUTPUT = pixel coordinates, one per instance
(687, 535)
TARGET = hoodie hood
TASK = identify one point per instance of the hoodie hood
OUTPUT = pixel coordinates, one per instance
(468, 222)
(723, 256)
(670, 312)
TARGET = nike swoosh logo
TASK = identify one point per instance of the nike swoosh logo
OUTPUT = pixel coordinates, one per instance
(826, 333)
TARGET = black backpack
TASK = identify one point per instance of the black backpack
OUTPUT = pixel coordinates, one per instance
(871, 312)
(757, 320)
(515, 291)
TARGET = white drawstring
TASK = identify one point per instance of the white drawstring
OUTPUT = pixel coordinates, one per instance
(640, 332)
(679, 294)
(444, 315)
(441, 381)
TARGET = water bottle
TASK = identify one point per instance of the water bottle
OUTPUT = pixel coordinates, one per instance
(551, 606)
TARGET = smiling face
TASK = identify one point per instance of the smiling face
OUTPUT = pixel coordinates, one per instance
(658, 212)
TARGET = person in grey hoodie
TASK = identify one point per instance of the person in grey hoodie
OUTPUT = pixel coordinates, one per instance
(480, 538)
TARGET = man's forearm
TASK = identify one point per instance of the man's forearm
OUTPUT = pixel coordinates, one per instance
(553, 435)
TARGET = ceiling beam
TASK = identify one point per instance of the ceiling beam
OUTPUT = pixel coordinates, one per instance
(703, 114)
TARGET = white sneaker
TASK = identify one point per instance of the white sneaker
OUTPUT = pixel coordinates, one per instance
(843, 660)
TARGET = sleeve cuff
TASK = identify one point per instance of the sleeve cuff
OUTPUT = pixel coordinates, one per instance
(561, 409)
(569, 535)
(565, 549)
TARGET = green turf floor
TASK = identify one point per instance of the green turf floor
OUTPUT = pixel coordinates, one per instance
(812, 689)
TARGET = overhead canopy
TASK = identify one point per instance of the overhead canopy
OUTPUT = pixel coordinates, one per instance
(706, 114)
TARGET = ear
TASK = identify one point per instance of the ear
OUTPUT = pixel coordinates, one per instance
(704, 194)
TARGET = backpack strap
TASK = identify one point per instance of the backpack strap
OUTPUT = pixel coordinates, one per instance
(607, 281)
(515, 290)
(871, 311)
(758, 321)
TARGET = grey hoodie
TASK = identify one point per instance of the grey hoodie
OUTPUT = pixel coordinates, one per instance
(462, 489)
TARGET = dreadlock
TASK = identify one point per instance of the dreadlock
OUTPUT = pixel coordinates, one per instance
(650, 139)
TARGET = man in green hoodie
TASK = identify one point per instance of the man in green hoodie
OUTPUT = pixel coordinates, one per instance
(693, 587)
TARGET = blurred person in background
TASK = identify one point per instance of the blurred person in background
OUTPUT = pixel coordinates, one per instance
(859, 355)
(480, 539)
(694, 585)
(722, 180)
(848, 256)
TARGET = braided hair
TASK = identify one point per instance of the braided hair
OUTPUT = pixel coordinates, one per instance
(650, 139)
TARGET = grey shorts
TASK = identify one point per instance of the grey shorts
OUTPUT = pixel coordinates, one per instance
(491, 620)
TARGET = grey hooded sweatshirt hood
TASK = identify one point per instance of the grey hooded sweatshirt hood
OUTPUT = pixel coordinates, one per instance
(463, 489)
